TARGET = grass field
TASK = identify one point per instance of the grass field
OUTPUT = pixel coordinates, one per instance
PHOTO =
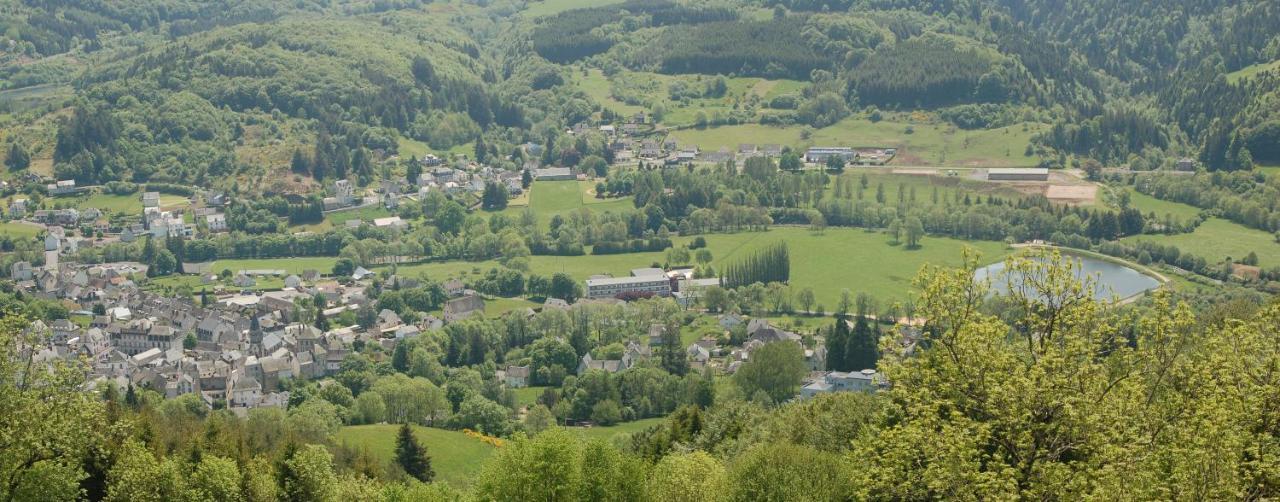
(1216, 239)
(126, 204)
(408, 147)
(549, 198)
(929, 144)
(340, 218)
(608, 433)
(1253, 70)
(549, 7)
(1149, 204)
(841, 258)
(527, 396)
(455, 457)
(651, 88)
(19, 229)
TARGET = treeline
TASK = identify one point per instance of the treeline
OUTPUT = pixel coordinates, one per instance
(1245, 198)
(631, 246)
(771, 49)
(771, 264)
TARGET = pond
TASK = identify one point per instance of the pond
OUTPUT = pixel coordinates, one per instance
(1112, 279)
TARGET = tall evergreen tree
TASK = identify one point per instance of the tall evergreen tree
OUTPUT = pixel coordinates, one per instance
(837, 344)
(412, 456)
(863, 351)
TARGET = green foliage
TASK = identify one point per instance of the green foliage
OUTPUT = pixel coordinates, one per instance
(775, 369)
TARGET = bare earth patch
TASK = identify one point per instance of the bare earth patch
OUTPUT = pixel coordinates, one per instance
(1072, 194)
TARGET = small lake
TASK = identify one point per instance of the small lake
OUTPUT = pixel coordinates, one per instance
(1112, 279)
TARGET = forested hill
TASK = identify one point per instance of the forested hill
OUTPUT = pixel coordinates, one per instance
(227, 91)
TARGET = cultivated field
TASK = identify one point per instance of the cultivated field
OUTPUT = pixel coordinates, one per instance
(455, 457)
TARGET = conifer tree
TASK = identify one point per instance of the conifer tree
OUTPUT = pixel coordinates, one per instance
(412, 456)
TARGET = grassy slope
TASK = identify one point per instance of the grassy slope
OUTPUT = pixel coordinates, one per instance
(607, 433)
(1149, 204)
(929, 144)
(455, 457)
(549, 198)
(682, 113)
(1252, 70)
(549, 7)
(1217, 239)
(18, 229)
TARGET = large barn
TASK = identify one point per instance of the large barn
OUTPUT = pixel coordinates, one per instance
(1018, 174)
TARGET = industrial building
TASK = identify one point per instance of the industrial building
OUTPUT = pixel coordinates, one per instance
(1018, 174)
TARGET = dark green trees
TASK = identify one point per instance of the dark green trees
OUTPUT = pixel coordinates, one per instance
(412, 456)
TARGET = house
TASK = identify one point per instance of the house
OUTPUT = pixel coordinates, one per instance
(20, 271)
(387, 320)
(730, 321)
(62, 187)
(243, 280)
(454, 287)
(216, 222)
(245, 392)
(17, 208)
(390, 222)
(839, 381)
(517, 377)
(150, 199)
(344, 192)
(361, 273)
(554, 174)
(292, 282)
(463, 307)
(1185, 164)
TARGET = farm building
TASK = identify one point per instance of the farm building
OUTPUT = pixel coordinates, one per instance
(820, 154)
(554, 174)
(1014, 174)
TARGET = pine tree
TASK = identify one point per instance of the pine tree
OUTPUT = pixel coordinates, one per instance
(412, 456)
(837, 343)
(863, 350)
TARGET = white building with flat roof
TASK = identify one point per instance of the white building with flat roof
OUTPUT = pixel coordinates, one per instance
(643, 280)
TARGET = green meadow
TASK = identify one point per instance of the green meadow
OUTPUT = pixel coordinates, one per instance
(837, 259)
(1217, 239)
(1148, 204)
(928, 144)
(455, 457)
(20, 230)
